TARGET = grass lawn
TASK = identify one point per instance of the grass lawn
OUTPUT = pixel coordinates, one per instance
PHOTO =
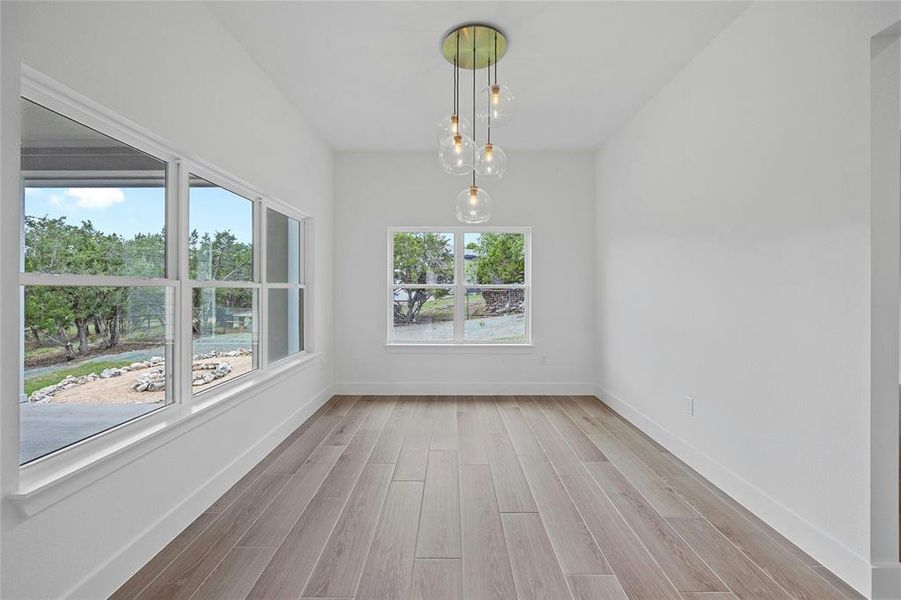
(443, 308)
(33, 384)
(43, 351)
(438, 310)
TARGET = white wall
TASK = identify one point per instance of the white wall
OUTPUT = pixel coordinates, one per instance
(172, 68)
(551, 192)
(733, 265)
(9, 295)
(885, 289)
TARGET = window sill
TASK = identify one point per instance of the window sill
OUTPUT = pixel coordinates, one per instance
(451, 348)
(48, 481)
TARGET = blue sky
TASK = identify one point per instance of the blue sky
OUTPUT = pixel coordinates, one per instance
(129, 211)
(216, 209)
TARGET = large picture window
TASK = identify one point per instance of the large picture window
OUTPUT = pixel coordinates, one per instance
(459, 286)
(144, 281)
(97, 297)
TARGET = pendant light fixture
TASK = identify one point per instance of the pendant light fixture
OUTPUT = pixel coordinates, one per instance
(474, 46)
(491, 161)
(501, 102)
(454, 123)
(456, 150)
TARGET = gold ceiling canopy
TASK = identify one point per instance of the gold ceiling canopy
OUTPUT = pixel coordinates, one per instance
(484, 36)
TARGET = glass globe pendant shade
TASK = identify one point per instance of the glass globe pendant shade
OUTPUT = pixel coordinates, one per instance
(451, 125)
(501, 105)
(457, 155)
(473, 205)
(491, 162)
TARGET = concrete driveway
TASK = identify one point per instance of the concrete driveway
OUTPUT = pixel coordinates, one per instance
(49, 427)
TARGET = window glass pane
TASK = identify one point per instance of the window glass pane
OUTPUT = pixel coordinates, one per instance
(423, 258)
(221, 233)
(285, 322)
(224, 332)
(284, 241)
(95, 357)
(495, 258)
(92, 205)
(495, 315)
(423, 314)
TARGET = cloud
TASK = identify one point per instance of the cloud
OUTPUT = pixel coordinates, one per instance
(96, 197)
(48, 195)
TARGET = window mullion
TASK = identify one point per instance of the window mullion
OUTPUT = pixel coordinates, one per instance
(390, 287)
(498, 286)
(302, 244)
(173, 204)
(460, 282)
(184, 347)
(282, 286)
(260, 256)
(527, 280)
(212, 283)
(306, 272)
(173, 301)
(69, 279)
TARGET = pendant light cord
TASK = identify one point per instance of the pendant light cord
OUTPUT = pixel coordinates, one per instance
(495, 58)
(489, 85)
(457, 78)
(473, 103)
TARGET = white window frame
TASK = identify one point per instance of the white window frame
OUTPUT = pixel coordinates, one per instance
(271, 285)
(47, 479)
(255, 282)
(459, 287)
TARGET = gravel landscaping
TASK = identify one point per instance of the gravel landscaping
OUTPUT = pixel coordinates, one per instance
(483, 329)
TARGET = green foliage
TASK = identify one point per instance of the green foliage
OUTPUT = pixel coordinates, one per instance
(56, 246)
(422, 257)
(220, 257)
(502, 258)
(427, 258)
(145, 255)
(33, 384)
(48, 311)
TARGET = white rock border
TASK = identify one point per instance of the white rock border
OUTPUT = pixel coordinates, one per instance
(152, 381)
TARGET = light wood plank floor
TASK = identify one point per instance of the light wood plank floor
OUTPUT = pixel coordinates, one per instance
(429, 497)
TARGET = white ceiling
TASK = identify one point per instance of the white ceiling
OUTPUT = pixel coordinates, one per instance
(370, 76)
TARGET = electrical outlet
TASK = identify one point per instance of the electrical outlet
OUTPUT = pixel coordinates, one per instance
(689, 406)
(542, 360)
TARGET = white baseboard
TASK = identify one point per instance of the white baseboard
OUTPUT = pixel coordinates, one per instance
(832, 554)
(108, 576)
(458, 388)
(887, 582)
